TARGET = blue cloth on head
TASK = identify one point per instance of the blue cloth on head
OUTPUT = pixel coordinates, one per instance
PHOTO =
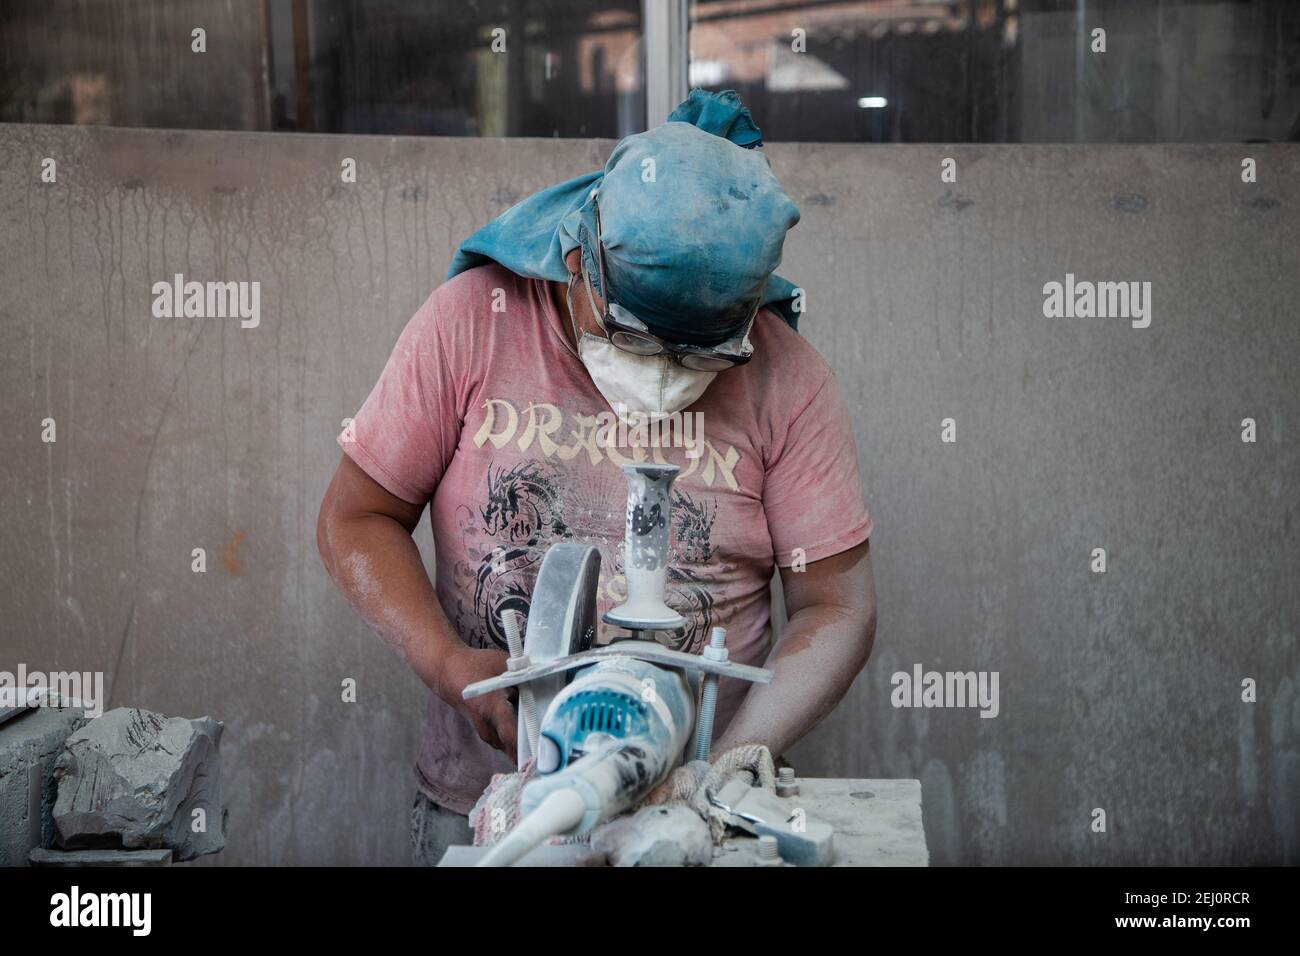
(692, 223)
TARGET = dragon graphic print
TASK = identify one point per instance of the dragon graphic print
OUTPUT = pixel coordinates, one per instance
(526, 507)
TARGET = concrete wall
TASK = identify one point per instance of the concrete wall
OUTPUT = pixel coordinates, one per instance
(1119, 691)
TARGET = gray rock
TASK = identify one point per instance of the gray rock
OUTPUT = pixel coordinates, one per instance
(30, 744)
(132, 779)
(655, 836)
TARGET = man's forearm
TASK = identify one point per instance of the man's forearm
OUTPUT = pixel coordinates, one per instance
(814, 663)
(378, 568)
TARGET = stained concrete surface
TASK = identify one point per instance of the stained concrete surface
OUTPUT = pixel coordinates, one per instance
(1118, 691)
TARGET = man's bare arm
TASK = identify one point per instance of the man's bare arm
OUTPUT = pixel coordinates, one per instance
(832, 624)
(364, 536)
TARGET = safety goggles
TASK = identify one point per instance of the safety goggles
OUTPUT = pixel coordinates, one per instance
(630, 334)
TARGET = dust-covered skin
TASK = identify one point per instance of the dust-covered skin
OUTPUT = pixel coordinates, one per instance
(832, 626)
(363, 534)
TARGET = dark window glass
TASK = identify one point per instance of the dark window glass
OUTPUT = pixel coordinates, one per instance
(568, 68)
(1006, 70)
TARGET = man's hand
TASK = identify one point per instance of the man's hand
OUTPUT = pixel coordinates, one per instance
(491, 714)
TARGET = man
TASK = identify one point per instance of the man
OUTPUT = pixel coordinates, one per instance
(643, 290)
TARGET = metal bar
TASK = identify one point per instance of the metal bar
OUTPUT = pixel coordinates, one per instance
(641, 650)
(305, 107)
(667, 56)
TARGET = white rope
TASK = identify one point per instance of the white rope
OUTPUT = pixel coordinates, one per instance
(690, 784)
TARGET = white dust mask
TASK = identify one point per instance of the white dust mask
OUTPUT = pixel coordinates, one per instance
(647, 385)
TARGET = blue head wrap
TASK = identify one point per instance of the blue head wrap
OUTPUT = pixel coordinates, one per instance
(692, 223)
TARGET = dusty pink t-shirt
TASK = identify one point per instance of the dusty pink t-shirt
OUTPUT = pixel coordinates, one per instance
(486, 411)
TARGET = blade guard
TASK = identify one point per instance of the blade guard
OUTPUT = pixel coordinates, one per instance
(561, 619)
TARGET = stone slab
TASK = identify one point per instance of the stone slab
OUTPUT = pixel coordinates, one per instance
(42, 857)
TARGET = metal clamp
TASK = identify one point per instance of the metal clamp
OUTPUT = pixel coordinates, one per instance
(641, 650)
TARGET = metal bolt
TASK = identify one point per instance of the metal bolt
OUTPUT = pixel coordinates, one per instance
(709, 694)
(518, 659)
(786, 784)
(769, 854)
(514, 640)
